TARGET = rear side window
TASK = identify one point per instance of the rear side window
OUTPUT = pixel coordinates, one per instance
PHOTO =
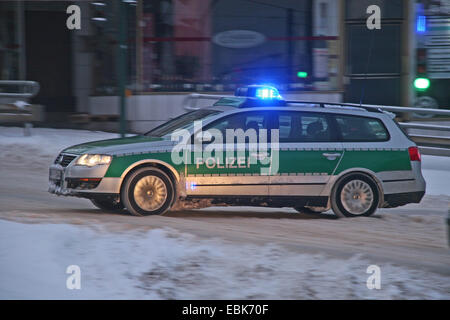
(361, 129)
(300, 127)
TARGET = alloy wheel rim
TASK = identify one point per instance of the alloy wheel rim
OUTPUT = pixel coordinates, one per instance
(150, 193)
(357, 197)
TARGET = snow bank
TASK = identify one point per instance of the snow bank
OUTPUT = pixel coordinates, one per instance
(163, 264)
(436, 171)
(44, 144)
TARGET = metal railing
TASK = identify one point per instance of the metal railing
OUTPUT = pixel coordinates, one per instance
(432, 144)
(429, 143)
(23, 89)
(14, 106)
(190, 102)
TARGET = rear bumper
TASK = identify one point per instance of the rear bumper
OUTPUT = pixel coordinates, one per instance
(400, 199)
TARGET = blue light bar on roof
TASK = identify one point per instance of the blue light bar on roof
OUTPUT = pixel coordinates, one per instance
(259, 91)
(267, 93)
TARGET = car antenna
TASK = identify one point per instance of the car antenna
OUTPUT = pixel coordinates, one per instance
(367, 68)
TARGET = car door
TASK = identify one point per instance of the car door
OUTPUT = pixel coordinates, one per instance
(309, 152)
(235, 169)
(369, 146)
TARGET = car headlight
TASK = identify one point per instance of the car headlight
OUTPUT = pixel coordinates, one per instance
(91, 160)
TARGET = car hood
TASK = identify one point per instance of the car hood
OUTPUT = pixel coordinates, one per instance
(137, 143)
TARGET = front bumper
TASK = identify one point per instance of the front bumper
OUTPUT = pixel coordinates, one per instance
(81, 181)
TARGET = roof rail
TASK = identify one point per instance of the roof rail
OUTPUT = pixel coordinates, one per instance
(190, 103)
(338, 104)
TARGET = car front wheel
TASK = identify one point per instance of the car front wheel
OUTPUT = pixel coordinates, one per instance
(355, 195)
(148, 191)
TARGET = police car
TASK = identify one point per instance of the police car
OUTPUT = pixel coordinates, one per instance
(305, 155)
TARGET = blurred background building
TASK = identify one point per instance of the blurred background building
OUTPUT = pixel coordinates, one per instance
(310, 49)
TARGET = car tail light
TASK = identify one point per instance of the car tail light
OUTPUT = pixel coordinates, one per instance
(414, 154)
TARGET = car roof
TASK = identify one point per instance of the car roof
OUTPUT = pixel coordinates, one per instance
(306, 107)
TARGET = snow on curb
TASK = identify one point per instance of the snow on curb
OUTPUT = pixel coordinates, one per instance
(43, 144)
(163, 264)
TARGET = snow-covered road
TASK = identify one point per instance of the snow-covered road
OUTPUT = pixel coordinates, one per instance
(164, 264)
(215, 253)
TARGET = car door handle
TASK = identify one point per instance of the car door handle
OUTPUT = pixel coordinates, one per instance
(260, 155)
(331, 156)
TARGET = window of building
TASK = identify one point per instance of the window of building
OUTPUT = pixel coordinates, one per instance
(207, 45)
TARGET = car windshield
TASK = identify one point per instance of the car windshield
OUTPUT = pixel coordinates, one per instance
(184, 121)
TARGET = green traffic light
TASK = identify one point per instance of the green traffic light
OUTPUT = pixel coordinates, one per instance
(302, 74)
(422, 83)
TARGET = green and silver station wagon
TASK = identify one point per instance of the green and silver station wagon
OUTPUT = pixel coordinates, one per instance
(251, 149)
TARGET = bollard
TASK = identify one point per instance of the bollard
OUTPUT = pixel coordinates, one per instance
(448, 227)
(27, 129)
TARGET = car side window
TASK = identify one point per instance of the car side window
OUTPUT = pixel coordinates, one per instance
(241, 120)
(361, 129)
(296, 126)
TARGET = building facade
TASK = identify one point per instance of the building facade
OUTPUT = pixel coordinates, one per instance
(310, 49)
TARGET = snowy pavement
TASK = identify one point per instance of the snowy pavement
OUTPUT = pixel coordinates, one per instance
(213, 253)
(164, 264)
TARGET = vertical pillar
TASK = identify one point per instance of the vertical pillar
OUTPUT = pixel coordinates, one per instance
(408, 53)
(139, 45)
(407, 58)
(122, 63)
(342, 46)
(20, 38)
(290, 43)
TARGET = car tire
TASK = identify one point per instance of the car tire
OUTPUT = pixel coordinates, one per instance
(355, 195)
(108, 205)
(148, 191)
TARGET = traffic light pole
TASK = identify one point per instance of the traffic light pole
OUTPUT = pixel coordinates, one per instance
(121, 64)
(290, 43)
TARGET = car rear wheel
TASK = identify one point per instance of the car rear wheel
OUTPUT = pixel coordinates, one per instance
(355, 195)
(108, 204)
(148, 191)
